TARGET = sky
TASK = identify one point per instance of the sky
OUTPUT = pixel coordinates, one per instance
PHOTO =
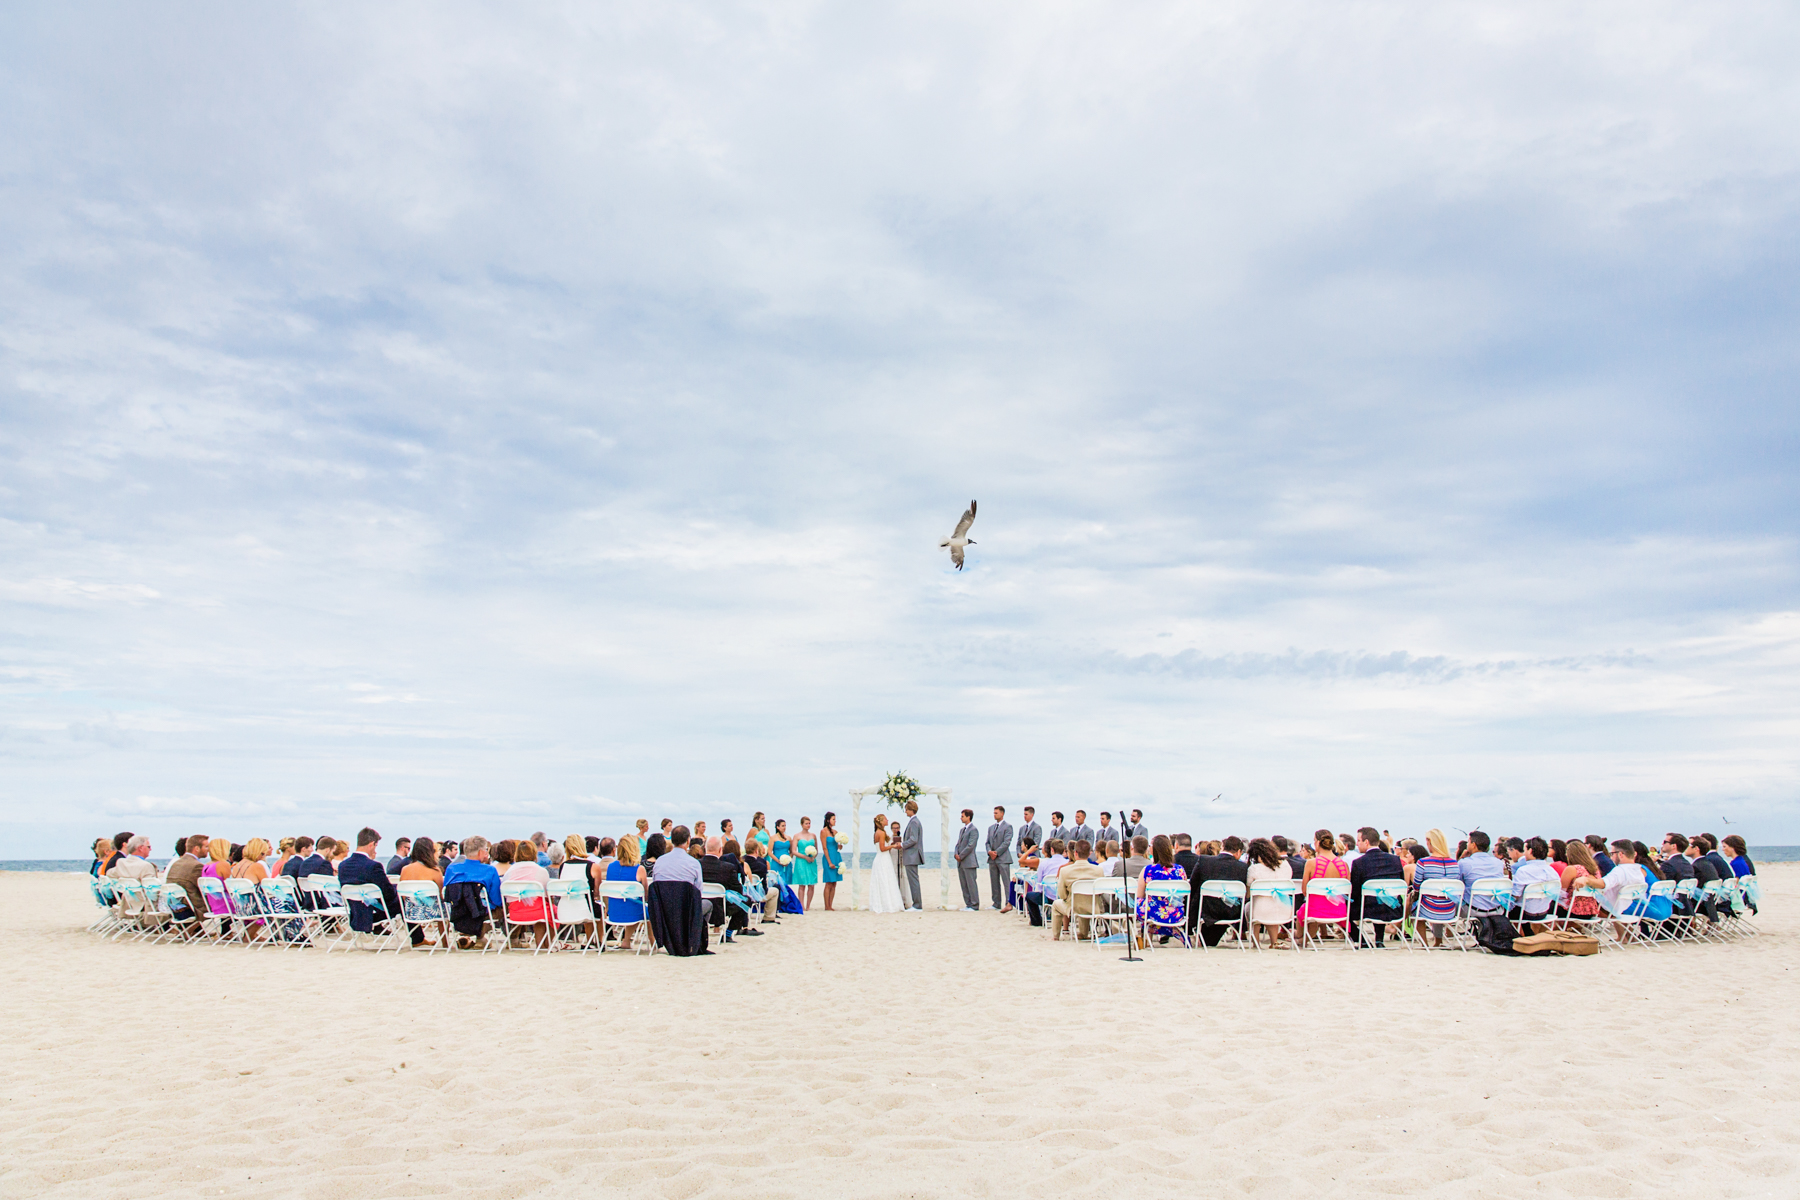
(461, 419)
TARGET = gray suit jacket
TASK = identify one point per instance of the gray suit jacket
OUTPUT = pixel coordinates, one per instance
(968, 847)
(1000, 840)
(1079, 833)
(1106, 833)
(1059, 834)
(1133, 829)
(1032, 830)
(912, 844)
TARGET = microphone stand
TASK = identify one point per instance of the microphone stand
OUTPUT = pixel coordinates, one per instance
(1130, 903)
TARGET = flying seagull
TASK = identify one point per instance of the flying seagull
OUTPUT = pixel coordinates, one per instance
(960, 538)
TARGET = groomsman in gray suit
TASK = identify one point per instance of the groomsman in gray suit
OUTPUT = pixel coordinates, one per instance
(968, 861)
(1106, 833)
(1000, 857)
(912, 855)
(1032, 830)
(1080, 831)
(1058, 831)
(1135, 828)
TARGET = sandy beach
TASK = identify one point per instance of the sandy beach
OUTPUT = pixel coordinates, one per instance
(930, 1055)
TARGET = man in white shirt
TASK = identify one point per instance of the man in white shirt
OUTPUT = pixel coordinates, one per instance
(1535, 867)
(679, 865)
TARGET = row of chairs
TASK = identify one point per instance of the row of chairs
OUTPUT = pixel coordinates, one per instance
(1112, 903)
(313, 911)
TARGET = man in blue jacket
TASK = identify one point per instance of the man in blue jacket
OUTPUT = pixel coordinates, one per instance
(364, 867)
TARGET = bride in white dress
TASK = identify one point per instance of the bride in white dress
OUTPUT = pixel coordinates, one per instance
(884, 880)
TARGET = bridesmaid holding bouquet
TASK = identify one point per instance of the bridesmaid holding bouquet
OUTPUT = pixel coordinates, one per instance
(806, 862)
(781, 854)
(833, 842)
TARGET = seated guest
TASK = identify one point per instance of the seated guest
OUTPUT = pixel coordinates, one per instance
(501, 854)
(1477, 865)
(714, 869)
(1140, 858)
(1627, 872)
(103, 852)
(218, 866)
(1373, 862)
(365, 867)
(1164, 912)
(1044, 893)
(1597, 848)
(1068, 905)
(1737, 853)
(283, 851)
(1271, 913)
(421, 866)
(1435, 912)
(184, 872)
(1103, 858)
(1534, 867)
(531, 917)
(470, 874)
(1322, 912)
(625, 868)
(756, 872)
(135, 866)
(402, 856)
(1295, 860)
(1224, 864)
(679, 865)
(119, 842)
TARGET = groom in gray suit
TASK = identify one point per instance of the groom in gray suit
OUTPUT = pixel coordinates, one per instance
(912, 854)
(1000, 857)
(968, 860)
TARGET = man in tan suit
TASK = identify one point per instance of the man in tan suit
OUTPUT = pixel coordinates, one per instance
(1079, 868)
(185, 872)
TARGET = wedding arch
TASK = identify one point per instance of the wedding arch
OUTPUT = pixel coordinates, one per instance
(858, 882)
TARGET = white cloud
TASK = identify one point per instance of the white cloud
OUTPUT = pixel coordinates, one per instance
(461, 415)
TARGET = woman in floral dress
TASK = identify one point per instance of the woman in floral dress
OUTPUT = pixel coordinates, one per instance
(1164, 911)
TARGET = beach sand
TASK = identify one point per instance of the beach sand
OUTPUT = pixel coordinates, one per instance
(845, 1054)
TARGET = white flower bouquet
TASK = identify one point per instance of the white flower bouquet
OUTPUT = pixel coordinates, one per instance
(898, 788)
(786, 860)
(811, 853)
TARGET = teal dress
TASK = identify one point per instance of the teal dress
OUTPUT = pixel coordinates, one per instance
(785, 870)
(806, 870)
(834, 859)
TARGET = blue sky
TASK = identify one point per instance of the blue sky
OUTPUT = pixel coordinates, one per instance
(471, 420)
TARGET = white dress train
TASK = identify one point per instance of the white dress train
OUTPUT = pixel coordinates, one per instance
(884, 884)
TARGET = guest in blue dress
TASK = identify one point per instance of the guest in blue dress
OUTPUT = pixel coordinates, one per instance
(626, 869)
(1166, 911)
(834, 857)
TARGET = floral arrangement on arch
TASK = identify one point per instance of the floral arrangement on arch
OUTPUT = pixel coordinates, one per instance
(898, 788)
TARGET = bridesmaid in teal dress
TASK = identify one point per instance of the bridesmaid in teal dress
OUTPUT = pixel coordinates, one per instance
(806, 862)
(782, 848)
(833, 858)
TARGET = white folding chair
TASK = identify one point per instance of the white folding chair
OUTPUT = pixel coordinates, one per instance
(1287, 891)
(716, 891)
(1659, 927)
(1112, 909)
(328, 916)
(422, 904)
(175, 919)
(1456, 926)
(130, 899)
(1497, 892)
(1622, 926)
(246, 910)
(527, 891)
(1540, 892)
(625, 891)
(384, 926)
(287, 921)
(1023, 881)
(1334, 891)
(1384, 893)
(229, 928)
(1179, 892)
(1231, 894)
(1092, 889)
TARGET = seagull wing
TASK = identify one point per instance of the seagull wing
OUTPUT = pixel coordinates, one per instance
(956, 556)
(968, 519)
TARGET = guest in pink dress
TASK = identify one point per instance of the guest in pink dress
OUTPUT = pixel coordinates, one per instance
(1320, 911)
